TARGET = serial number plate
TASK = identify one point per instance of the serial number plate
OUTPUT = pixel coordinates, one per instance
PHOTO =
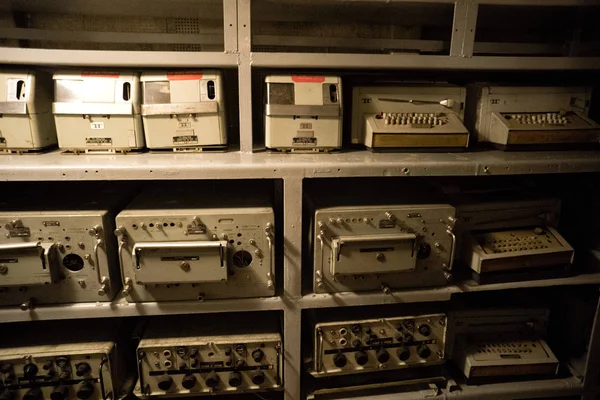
(99, 141)
(304, 141)
(187, 139)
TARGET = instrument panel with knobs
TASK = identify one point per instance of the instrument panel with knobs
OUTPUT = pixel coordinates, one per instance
(57, 257)
(382, 247)
(209, 364)
(83, 371)
(350, 347)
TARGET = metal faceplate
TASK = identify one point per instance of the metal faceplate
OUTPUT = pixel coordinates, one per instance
(382, 247)
(196, 254)
(73, 370)
(209, 364)
(55, 257)
(373, 345)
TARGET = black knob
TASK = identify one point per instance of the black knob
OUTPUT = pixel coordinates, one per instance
(47, 365)
(188, 381)
(361, 357)
(85, 390)
(403, 353)
(212, 380)
(83, 369)
(257, 355)
(423, 351)
(62, 362)
(235, 379)
(425, 330)
(6, 368)
(339, 360)
(30, 371)
(64, 375)
(258, 378)
(61, 392)
(193, 353)
(424, 251)
(164, 382)
(383, 356)
(7, 395)
(33, 394)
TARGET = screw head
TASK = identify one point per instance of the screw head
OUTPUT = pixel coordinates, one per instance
(3, 269)
(185, 266)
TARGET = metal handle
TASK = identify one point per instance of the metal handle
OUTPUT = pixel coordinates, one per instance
(102, 280)
(125, 282)
(20, 246)
(320, 271)
(271, 274)
(319, 355)
(138, 247)
(46, 254)
(449, 103)
(452, 249)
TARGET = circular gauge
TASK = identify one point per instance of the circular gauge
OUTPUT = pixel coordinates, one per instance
(242, 259)
(73, 262)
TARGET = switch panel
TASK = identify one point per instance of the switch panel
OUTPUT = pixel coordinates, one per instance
(85, 371)
(196, 254)
(382, 247)
(350, 347)
(57, 257)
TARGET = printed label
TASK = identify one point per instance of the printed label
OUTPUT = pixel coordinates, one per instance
(306, 78)
(199, 229)
(21, 231)
(185, 139)
(304, 141)
(184, 124)
(414, 215)
(51, 223)
(99, 141)
(386, 224)
(366, 100)
(97, 125)
(306, 125)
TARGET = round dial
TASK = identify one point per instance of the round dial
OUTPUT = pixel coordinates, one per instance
(242, 259)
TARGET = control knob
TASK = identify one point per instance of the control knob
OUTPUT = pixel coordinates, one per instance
(61, 392)
(339, 360)
(425, 330)
(188, 381)
(212, 380)
(82, 369)
(164, 382)
(258, 378)
(423, 351)
(257, 355)
(403, 353)
(30, 371)
(383, 356)
(33, 394)
(235, 379)
(85, 390)
(361, 357)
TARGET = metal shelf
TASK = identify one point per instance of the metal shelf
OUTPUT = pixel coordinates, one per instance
(521, 390)
(102, 58)
(583, 279)
(409, 61)
(125, 309)
(55, 166)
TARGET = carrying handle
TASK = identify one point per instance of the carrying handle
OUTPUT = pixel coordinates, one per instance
(271, 273)
(452, 249)
(102, 280)
(448, 103)
(125, 282)
(319, 355)
(319, 273)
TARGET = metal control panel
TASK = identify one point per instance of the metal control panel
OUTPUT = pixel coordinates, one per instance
(184, 110)
(85, 371)
(382, 247)
(26, 122)
(350, 347)
(196, 254)
(98, 111)
(206, 365)
(511, 116)
(303, 113)
(57, 257)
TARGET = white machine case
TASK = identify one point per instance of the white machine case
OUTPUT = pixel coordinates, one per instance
(409, 116)
(26, 121)
(556, 115)
(98, 112)
(184, 111)
(303, 113)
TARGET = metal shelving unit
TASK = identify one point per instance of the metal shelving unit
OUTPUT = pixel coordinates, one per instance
(238, 53)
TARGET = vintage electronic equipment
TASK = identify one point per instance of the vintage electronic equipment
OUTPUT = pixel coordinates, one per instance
(303, 113)
(60, 365)
(60, 254)
(493, 344)
(98, 112)
(518, 117)
(26, 121)
(348, 347)
(512, 239)
(177, 250)
(209, 357)
(184, 111)
(382, 247)
(411, 116)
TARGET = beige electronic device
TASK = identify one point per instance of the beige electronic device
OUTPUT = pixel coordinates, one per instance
(209, 357)
(382, 247)
(60, 365)
(349, 347)
(173, 251)
(184, 111)
(494, 344)
(518, 117)
(98, 112)
(58, 256)
(26, 121)
(497, 239)
(303, 113)
(411, 116)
